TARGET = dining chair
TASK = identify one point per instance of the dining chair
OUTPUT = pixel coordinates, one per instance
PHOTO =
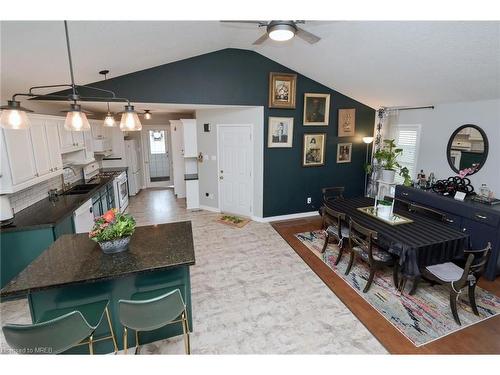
(335, 230)
(427, 212)
(334, 192)
(58, 330)
(147, 311)
(362, 244)
(456, 278)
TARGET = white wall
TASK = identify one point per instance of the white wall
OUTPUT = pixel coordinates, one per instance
(438, 125)
(207, 144)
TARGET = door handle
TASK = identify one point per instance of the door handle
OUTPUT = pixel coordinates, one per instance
(221, 177)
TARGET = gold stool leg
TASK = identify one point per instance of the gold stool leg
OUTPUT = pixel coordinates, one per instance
(185, 329)
(91, 344)
(125, 340)
(111, 330)
(136, 341)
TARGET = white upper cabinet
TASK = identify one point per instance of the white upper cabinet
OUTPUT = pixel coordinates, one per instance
(70, 141)
(20, 155)
(40, 147)
(190, 142)
(52, 131)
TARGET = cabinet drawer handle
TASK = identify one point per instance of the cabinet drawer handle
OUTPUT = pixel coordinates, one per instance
(405, 194)
(481, 216)
(449, 220)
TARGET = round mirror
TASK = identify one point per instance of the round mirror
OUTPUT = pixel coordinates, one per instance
(467, 148)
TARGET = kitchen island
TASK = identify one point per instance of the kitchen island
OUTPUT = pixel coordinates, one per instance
(74, 271)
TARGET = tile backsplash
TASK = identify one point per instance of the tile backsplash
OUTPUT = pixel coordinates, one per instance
(25, 198)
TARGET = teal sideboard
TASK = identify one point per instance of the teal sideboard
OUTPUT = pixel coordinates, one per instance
(20, 248)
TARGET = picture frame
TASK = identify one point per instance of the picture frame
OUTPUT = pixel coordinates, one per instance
(280, 132)
(344, 152)
(313, 151)
(316, 109)
(347, 122)
(282, 90)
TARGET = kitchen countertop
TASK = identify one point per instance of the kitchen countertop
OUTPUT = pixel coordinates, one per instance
(47, 213)
(75, 259)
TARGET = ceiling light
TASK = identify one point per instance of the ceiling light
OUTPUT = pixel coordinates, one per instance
(281, 32)
(130, 121)
(147, 114)
(109, 120)
(76, 120)
(14, 116)
(368, 140)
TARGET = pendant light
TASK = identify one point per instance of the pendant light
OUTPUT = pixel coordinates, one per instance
(130, 121)
(147, 114)
(14, 116)
(76, 119)
(109, 120)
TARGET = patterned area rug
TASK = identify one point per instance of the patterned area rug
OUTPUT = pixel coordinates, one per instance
(423, 317)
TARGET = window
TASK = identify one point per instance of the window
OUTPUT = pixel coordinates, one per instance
(157, 141)
(407, 137)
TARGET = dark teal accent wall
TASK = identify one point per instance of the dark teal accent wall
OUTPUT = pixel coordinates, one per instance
(241, 77)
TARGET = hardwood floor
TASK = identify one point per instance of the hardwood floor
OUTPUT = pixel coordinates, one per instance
(481, 338)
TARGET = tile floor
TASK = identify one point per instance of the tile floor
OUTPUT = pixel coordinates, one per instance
(251, 293)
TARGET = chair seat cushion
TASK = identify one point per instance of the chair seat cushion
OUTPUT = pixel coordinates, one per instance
(378, 254)
(333, 230)
(447, 272)
(92, 312)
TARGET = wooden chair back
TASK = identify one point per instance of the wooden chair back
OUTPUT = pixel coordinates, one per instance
(362, 237)
(479, 260)
(334, 218)
(333, 192)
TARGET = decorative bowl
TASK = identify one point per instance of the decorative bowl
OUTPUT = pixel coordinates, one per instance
(115, 246)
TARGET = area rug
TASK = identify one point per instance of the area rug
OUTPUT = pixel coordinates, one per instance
(424, 317)
(234, 221)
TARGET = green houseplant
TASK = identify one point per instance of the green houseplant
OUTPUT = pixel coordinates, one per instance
(387, 161)
(112, 231)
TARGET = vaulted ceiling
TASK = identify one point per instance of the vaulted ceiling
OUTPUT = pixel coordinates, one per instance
(377, 63)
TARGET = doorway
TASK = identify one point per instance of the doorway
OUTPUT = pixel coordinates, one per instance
(157, 162)
(235, 168)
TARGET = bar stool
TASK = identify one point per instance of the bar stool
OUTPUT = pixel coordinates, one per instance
(58, 330)
(147, 311)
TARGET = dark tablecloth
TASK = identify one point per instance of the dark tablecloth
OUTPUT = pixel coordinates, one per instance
(422, 243)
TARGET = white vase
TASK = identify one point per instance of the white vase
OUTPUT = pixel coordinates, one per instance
(388, 175)
(384, 211)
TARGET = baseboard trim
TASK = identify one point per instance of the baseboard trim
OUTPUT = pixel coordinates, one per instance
(208, 208)
(284, 217)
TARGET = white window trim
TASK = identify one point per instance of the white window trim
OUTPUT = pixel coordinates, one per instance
(418, 128)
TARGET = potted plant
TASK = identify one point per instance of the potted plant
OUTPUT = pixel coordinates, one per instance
(384, 209)
(112, 231)
(387, 162)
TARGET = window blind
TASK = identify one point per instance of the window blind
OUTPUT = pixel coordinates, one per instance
(407, 137)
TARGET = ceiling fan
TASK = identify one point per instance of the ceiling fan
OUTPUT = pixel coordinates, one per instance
(281, 31)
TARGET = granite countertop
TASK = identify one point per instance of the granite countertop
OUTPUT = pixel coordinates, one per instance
(75, 259)
(47, 213)
(190, 177)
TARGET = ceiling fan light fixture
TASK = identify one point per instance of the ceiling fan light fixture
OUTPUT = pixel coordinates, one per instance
(76, 120)
(109, 121)
(130, 121)
(147, 114)
(281, 32)
(14, 116)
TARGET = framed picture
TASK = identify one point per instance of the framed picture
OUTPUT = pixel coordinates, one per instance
(344, 151)
(316, 109)
(280, 132)
(282, 88)
(347, 122)
(314, 150)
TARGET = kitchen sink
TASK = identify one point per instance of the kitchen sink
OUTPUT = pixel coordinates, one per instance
(80, 189)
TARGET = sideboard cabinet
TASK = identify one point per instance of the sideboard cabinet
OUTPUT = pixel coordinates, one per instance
(480, 221)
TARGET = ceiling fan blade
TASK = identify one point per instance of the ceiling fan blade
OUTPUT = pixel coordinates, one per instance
(260, 23)
(307, 36)
(261, 40)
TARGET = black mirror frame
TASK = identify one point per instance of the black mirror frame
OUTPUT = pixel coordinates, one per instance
(450, 142)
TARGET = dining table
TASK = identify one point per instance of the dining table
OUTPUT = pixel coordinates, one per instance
(418, 243)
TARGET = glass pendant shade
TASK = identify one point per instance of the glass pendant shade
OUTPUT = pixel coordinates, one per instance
(76, 120)
(109, 121)
(13, 116)
(130, 121)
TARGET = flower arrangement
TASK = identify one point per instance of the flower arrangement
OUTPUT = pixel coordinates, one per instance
(468, 171)
(111, 226)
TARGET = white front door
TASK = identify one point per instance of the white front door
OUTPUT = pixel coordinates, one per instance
(157, 163)
(235, 169)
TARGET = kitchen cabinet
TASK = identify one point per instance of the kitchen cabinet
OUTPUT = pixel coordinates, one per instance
(70, 141)
(103, 200)
(30, 156)
(190, 141)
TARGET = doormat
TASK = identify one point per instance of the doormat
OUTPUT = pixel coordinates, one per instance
(233, 221)
(421, 318)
